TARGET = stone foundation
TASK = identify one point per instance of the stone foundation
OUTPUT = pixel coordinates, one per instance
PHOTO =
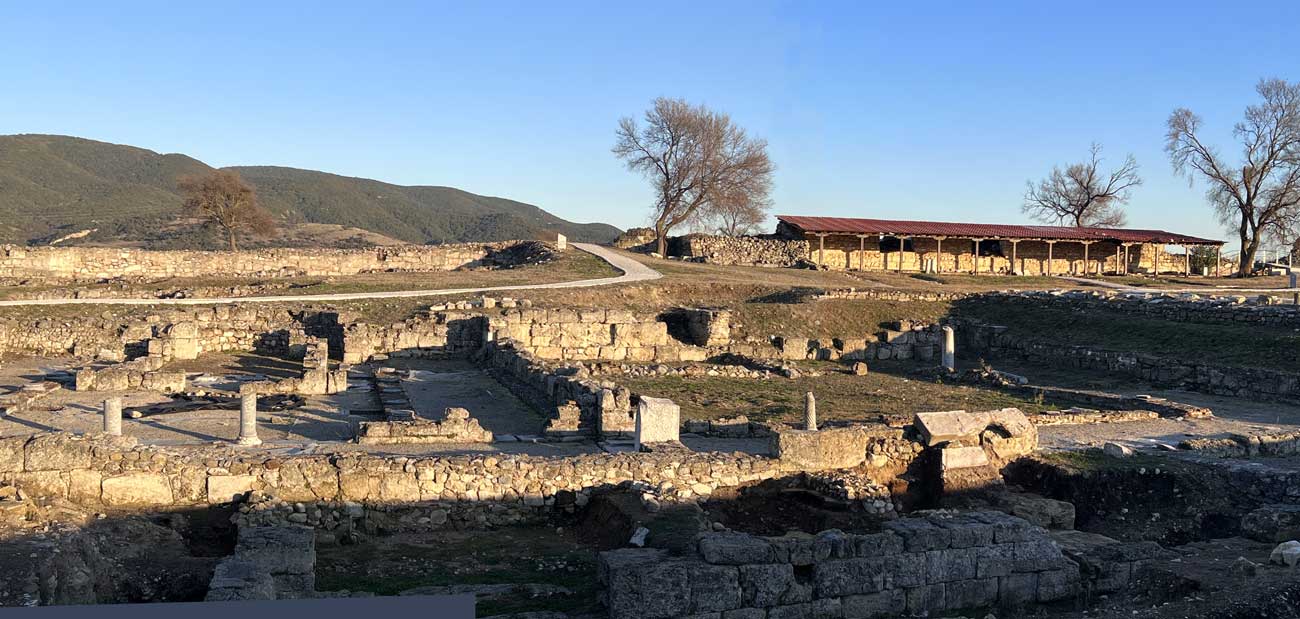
(916, 566)
(95, 263)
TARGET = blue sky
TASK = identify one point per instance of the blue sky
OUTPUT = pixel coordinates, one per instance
(936, 111)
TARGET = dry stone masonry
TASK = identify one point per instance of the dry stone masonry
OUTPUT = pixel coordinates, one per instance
(95, 263)
(915, 566)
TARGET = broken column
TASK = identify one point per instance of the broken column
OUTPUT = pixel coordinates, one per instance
(948, 349)
(248, 419)
(810, 412)
(561, 242)
(658, 420)
(113, 416)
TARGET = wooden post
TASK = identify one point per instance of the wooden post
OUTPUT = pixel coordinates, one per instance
(902, 249)
(821, 248)
(1086, 245)
(862, 253)
(1125, 245)
(1050, 267)
(1187, 261)
(1117, 259)
(1014, 246)
(975, 264)
(1218, 261)
(1155, 258)
(938, 261)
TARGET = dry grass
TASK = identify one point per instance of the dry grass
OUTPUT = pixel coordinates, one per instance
(840, 396)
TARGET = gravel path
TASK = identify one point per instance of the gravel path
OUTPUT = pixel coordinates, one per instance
(633, 271)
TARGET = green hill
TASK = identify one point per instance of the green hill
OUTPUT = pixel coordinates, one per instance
(52, 186)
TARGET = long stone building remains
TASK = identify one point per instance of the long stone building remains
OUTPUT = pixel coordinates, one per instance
(938, 247)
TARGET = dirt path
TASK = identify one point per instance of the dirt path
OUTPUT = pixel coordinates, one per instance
(633, 271)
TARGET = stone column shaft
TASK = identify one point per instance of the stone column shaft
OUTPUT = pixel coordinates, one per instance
(809, 411)
(248, 420)
(113, 416)
(949, 349)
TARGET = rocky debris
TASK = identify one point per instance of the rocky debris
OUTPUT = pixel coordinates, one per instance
(1115, 450)
(456, 427)
(859, 368)
(1287, 553)
(1272, 523)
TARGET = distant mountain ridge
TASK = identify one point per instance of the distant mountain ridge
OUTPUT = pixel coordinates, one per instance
(52, 186)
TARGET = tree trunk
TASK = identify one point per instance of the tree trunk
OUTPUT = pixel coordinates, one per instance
(1249, 246)
(661, 239)
(230, 235)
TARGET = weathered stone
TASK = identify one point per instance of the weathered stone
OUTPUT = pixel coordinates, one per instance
(137, 489)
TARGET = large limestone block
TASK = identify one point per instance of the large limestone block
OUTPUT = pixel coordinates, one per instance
(942, 427)
(658, 420)
(818, 450)
(962, 458)
(137, 489)
(227, 488)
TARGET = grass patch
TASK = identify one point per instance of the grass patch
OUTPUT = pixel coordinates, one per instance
(1274, 348)
(840, 396)
(517, 555)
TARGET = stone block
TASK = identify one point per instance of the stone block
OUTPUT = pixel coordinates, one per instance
(713, 587)
(833, 578)
(942, 427)
(765, 584)
(58, 452)
(952, 458)
(831, 448)
(1058, 584)
(926, 599)
(906, 570)
(791, 611)
(227, 488)
(949, 565)
(890, 603)
(919, 534)
(137, 489)
(1018, 589)
(735, 549)
(877, 545)
(974, 593)
(658, 420)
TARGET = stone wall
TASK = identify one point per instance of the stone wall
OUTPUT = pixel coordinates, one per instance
(740, 250)
(915, 566)
(96, 263)
(269, 563)
(115, 472)
(1226, 309)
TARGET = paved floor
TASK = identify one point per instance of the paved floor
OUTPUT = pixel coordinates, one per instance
(633, 271)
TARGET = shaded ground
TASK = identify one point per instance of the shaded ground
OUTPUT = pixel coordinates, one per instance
(440, 384)
(518, 555)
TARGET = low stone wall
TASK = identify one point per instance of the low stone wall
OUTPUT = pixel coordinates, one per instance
(916, 566)
(996, 342)
(740, 250)
(1225, 308)
(603, 407)
(116, 472)
(95, 263)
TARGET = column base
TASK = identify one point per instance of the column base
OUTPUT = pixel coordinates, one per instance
(248, 441)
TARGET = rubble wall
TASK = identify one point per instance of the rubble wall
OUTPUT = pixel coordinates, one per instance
(95, 263)
(915, 566)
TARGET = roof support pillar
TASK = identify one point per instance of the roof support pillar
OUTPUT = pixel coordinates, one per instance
(821, 248)
(976, 245)
(1087, 270)
(1015, 243)
(1218, 261)
(902, 248)
(938, 250)
(1051, 267)
(1187, 261)
(862, 253)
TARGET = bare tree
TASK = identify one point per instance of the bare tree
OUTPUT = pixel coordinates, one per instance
(738, 214)
(1083, 195)
(1261, 197)
(226, 202)
(697, 160)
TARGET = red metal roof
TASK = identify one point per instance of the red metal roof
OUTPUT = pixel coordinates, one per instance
(853, 225)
